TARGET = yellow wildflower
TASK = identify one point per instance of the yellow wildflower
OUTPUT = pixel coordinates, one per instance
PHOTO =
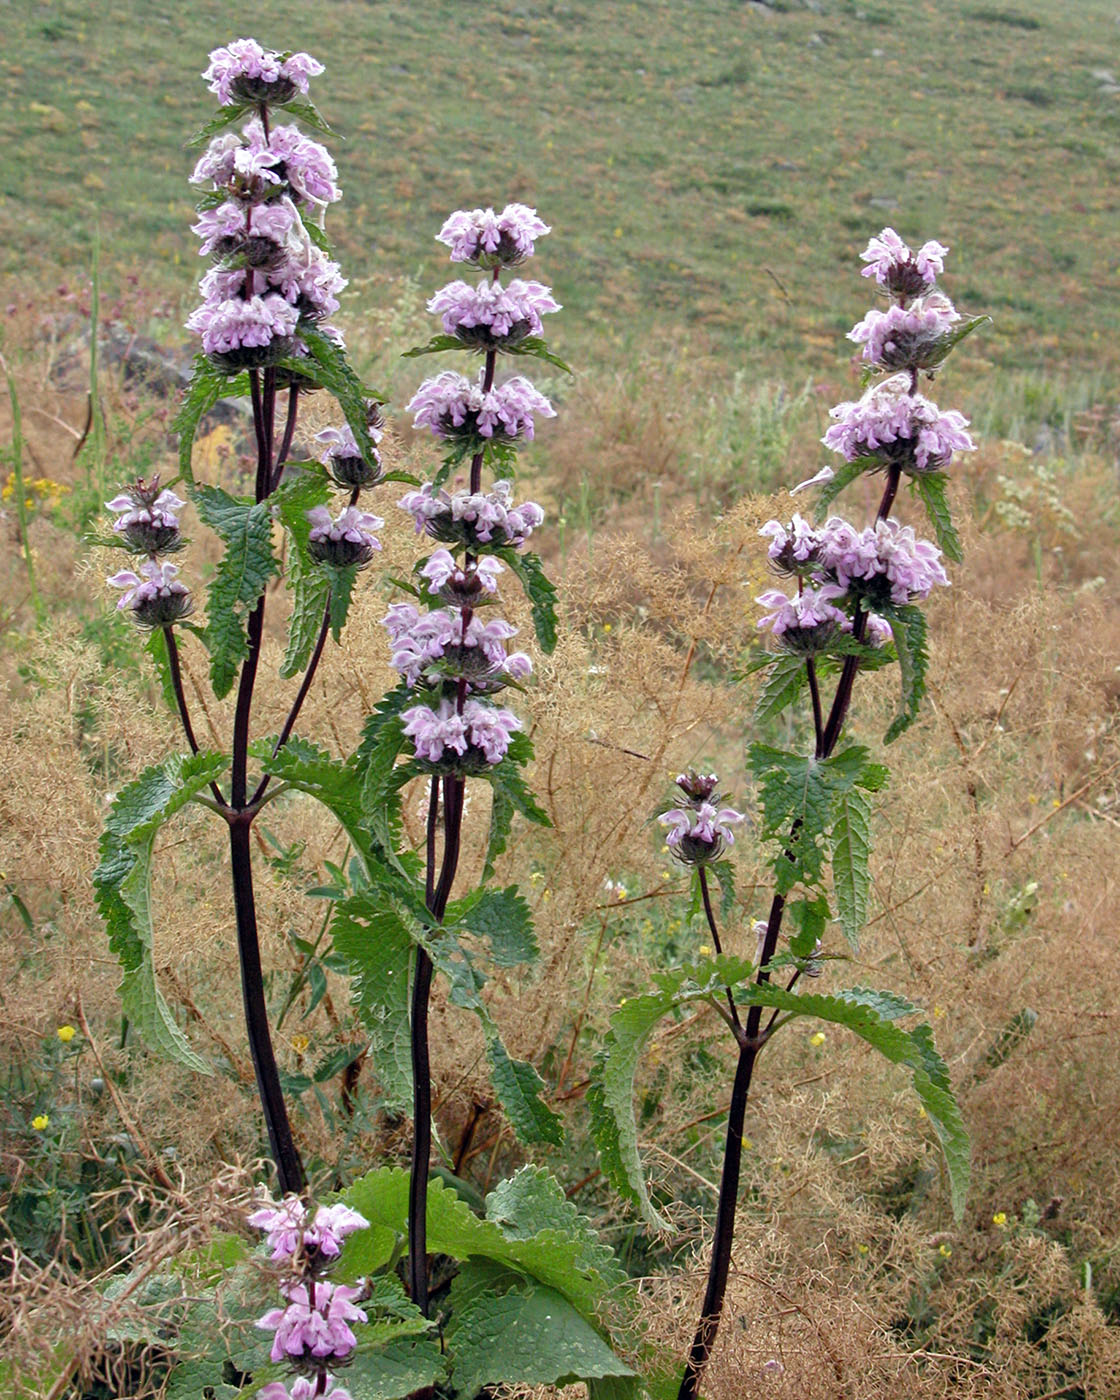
(39, 1122)
(66, 1034)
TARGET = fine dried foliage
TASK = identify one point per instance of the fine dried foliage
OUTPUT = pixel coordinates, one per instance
(994, 881)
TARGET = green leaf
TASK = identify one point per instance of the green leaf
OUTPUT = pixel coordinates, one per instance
(541, 593)
(519, 1087)
(844, 476)
(528, 1334)
(240, 580)
(931, 487)
(308, 113)
(333, 372)
(536, 348)
(795, 808)
(560, 1254)
(954, 338)
(908, 627)
(502, 918)
(531, 1201)
(511, 795)
(309, 584)
(228, 116)
(724, 872)
(376, 760)
(610, 1095)
(311, 769)
(156, 647)
(342, 580)
(809, 917)
(123, 885)
(378, 948)
(436, 344)
(401, 1368)
(208, 384)
(788, 677)
(873, 1016)
(851, 852)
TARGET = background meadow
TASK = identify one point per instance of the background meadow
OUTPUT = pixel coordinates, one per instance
(711, 172)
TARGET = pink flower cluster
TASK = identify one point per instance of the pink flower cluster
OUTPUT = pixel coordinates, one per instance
(704, 824)
(907, 337)
(473, 518)
(493, 240)
(231, 325)
(304, 1388)
(480, 731)
(315, 1323)
(252, 167)
(803, 621)
(147, 521)
(291, 1229)
(885, 552)
(491, 316)
(154, 594)
(896, 426)
(244, 71)
(898, 270)
(794, 548)
(454, 407)
(345, 540)
(446, 644)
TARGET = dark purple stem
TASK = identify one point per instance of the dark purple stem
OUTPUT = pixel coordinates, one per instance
(815, 696)
(176, 675)
(289, 434)
(709, 914)
(421, 1064)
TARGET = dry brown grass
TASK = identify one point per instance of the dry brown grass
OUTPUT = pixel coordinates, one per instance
(995, 886)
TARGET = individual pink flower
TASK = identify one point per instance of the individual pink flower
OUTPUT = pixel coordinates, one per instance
(459, 586)
(900, 271)
(245, 72)
(492, 240)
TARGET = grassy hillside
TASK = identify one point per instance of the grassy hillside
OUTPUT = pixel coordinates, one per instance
(710, 169)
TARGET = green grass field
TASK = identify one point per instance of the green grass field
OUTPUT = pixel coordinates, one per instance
(710, 170)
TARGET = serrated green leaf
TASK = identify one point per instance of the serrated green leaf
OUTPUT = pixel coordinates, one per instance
(306, 111)
(511, 795)
(207, 386)
(310, 586)
(724, 872)
(536, 348)
(122, 881)
(843, 476)
(311, 769)
(333, 372)
(530, 1334)
(851, 853)
(809, 917)
(502, 918)
(954, 338)
(342, 580)
(541, 593)
(1011, 1036)
(519, 1087)
(873, 1016)
(228, 116)
(908, 627)
(531, 1201)
(434, 346)
(788, 677)
(401, 1368)
(241, 577)
(561, 1257)
(156, 647)
(931, 487)
(378, 948)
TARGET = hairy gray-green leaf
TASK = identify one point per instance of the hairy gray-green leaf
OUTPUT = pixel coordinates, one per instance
(931, 487)
(851, 853)
(908, 627)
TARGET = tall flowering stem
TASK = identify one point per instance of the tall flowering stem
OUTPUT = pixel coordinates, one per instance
(450, 659)
(265, 332)
(853, 601)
